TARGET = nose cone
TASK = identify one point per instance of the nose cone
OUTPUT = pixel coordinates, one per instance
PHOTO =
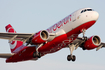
(95, 15)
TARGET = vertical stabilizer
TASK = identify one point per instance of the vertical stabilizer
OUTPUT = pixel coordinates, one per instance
(14, 44)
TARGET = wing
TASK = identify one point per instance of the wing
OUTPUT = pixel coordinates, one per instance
(6, 55)
(16, 36)
(80, 41)
(102, 45)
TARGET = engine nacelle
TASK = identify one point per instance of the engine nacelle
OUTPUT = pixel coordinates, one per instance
(42, 36)
(92, 42)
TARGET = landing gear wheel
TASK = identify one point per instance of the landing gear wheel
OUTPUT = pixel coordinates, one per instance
(73, 58)
(39, 55)
(70, 57)
(36, 55)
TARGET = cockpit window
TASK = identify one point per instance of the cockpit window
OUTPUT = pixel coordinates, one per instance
(82, 11)
(86, 10)
(89, 9)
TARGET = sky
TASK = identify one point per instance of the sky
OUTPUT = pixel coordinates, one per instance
(31, 16)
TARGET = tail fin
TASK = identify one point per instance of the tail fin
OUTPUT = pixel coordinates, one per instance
(14, 44)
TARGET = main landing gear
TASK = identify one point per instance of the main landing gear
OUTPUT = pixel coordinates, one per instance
(71, 57)
(75, 46)
(36, 55)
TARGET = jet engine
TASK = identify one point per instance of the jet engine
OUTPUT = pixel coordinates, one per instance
(92, 42)
(42, 36)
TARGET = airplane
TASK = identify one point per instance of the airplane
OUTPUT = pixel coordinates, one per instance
(63, 34)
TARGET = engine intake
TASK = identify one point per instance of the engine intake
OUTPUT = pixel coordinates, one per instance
(44, 35)
(96, 40)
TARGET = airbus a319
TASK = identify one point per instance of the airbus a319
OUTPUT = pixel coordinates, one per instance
(63, 34)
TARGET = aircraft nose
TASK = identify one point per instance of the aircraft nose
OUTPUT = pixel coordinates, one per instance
(95, 15)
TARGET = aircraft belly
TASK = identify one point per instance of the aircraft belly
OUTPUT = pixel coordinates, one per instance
(57, 44)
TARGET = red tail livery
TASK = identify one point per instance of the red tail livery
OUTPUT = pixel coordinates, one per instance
(13, 44)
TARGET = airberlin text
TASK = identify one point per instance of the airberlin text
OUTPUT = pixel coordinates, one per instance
(59, 24)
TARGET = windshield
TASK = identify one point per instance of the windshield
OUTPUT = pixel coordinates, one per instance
(86, 10)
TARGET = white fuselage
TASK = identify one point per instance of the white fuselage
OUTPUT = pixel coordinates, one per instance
(74, 20)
